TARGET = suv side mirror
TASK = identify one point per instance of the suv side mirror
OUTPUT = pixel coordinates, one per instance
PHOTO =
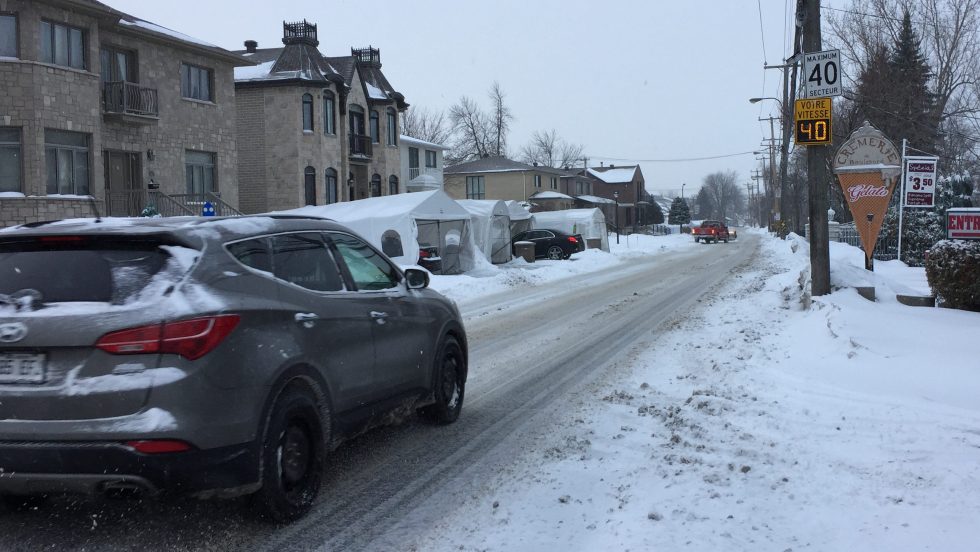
(416, 279)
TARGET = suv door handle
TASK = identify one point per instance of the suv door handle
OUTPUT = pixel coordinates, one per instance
(305, 316)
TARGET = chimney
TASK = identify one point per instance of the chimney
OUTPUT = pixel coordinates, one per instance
(250, 46)
(602, 164)
(611, 166)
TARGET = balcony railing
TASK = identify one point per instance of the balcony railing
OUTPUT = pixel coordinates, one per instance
(129, 99)
(360, 145)
(415, 172)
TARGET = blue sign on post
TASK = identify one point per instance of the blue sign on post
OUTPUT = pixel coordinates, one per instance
(208, 209)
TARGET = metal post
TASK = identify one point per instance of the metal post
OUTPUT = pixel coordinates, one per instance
(616, 196)
(901, 199)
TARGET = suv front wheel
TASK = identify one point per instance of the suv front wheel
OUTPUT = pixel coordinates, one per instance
(450, 382)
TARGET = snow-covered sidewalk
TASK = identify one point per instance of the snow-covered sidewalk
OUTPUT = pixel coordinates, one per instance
(757, 424)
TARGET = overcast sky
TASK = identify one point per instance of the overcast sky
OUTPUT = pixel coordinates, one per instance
(630, 80)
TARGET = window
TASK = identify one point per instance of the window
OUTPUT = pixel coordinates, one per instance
(350, 187)
(62, 45)
(10, 159)
(392, 127)
(475, 188)
(309, 185)
(554, 182)
(391, 244)
(413, 163)
(253, 254)
(303, 259)
(329, 121)
(117, 65)
(199, 166)
(376, 185)
(195, 82)
(66, 156)
(330, 179)
(375, 131)
(392, 185)
(8, 36)
(367, 268)
(430, 159)
(308, 112)
(537, 181)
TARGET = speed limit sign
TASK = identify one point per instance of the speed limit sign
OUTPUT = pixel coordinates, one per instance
(822, 74)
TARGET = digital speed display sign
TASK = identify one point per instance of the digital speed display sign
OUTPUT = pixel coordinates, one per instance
(812, 118)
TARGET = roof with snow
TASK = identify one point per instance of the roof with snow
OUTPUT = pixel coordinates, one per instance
(131, 24)
(595, 199)
(409, 140)
(496, 164)
(614, 175)
(550, 195)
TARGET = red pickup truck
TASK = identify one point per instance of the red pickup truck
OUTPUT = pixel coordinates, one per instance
(712, 231)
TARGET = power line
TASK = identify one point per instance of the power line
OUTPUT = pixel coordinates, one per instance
(678, 160)
(762, 30)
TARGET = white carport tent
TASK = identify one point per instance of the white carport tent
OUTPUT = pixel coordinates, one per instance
(591, 223)
(398, 224)
(490, 220)
(520, 218)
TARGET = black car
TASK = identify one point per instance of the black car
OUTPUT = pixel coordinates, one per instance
(552, 244)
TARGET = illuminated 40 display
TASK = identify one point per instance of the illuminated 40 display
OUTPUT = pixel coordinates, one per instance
(813, 121)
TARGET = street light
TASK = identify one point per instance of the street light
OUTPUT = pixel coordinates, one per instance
(616, 197)
(777, 100)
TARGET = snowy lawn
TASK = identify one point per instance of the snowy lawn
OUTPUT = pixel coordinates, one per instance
(758, 424)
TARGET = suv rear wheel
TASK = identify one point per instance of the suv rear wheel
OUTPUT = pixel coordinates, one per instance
(556, 253)
(292, 457)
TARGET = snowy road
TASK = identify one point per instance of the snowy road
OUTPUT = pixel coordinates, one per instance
(531, 349)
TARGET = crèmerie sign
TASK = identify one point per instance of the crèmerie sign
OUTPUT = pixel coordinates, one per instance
(963, 223)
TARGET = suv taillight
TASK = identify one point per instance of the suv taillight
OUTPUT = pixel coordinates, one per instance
(573, 239)
(191, 339)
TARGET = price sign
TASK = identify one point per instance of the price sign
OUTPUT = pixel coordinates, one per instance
(812, 119)
(920, 181)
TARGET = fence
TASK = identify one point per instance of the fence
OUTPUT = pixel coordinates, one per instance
(886, 248)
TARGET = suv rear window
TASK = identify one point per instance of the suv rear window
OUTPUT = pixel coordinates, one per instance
(78, 271)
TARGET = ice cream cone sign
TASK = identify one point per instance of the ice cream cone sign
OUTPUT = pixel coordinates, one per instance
(867, 167)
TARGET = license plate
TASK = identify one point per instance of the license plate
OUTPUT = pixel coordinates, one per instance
(21, 368)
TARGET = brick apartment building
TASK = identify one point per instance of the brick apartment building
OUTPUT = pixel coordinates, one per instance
(100, 110)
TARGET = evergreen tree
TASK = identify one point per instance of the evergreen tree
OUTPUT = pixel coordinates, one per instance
(911, 101)
(680, 213)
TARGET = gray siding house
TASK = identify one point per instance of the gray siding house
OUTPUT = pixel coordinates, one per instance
(103, 111)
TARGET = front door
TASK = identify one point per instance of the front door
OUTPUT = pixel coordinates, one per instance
(124, 184)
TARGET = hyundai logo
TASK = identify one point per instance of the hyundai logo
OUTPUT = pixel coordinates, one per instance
(12, 332)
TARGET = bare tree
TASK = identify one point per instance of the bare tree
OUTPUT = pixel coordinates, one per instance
(548, 149)
(501, 118)
(720, 196)
(431, 126)
(950, 39)
(470, 129)
(478, 133)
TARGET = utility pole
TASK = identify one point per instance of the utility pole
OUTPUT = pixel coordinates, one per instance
(774, 206)
(817, 173)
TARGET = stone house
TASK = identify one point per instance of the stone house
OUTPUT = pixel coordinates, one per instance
(314, 130)
(103, 111)
(499, 178)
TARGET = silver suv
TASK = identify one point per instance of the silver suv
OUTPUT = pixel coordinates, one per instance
(215, 357)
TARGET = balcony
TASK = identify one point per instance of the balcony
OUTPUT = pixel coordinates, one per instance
(415, 172)
(360, 146)
(130, 102)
